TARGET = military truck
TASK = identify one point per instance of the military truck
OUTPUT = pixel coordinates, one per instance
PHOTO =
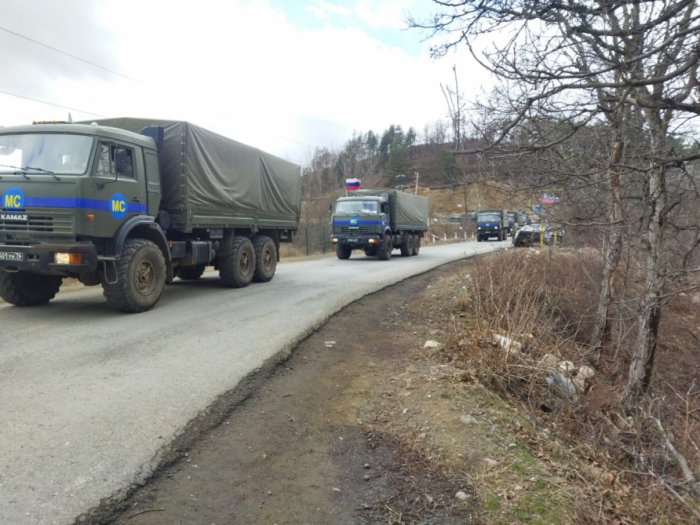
(522, 218)
(130, 204)
(512, 223)
(492, 223)
(377, 222)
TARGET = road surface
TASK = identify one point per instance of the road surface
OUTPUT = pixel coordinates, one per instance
(92, 400)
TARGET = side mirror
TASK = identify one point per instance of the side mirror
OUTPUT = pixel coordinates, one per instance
(330, 208)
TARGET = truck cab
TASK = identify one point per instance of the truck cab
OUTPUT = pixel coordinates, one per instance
(492, 223)
(67, 189)
(70, 194)
(360, 222)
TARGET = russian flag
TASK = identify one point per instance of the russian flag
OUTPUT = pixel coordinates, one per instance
(548, 199)
(352, 184)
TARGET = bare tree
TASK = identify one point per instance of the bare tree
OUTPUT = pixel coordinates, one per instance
(455, 109)
(630, 66)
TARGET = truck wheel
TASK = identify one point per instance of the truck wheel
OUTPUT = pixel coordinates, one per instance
(479, 238)
(237, 269)
(385, 247)
(407, 245)
(265, 259)
(26, 289)
(343, 251)
(190, 273)
(371, 251)
(416, 244)
(141, 277)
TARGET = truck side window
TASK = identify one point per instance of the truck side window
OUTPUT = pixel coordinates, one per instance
(115, 159)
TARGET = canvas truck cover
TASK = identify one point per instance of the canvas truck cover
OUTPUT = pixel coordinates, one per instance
(408, 211)
(205, 171)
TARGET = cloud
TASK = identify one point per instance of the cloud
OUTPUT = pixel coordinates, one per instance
(387, 14)
(239, 68)
(325, 10)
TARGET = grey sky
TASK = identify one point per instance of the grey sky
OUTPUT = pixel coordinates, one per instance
(248, 69)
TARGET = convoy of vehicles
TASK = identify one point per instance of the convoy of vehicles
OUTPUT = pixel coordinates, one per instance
(377, 222)
(132, 203)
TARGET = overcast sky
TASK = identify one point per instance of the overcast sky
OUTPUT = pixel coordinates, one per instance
(281, 75)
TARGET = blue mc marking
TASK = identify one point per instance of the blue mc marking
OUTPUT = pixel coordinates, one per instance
(118, 206)
(356, 223)
(78, 204)
(13, 199)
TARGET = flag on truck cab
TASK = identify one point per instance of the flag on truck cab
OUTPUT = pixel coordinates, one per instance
(352, 184)
(549, 199)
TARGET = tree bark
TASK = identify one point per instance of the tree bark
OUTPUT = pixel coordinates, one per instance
(649, 316)
(612, 251)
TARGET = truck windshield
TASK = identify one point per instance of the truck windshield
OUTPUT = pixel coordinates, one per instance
(488, 217)
(45, 153)
(356, 207)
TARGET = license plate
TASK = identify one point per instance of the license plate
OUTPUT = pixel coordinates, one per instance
(11, 256)
(353, 240)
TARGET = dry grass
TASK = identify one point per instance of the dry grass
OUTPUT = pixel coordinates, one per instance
(517, 307)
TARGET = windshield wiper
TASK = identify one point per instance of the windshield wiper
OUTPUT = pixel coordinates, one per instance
(43, 171)
(21, 171)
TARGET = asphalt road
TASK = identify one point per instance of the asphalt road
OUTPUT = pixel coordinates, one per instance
(90, 399)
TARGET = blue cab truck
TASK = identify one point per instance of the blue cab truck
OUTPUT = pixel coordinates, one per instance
(492, 223)
(377, 222)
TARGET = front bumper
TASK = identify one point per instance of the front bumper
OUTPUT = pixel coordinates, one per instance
(355, 240)
(491, 231)
(40, 257)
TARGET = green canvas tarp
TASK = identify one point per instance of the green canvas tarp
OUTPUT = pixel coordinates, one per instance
(202, 170)
(408, 211)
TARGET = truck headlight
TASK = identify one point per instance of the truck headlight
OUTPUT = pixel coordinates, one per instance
(67, 258)
(334, 239)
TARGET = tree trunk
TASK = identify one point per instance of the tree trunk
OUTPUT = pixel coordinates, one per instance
(603, 319)
(649, 316)
(612, 250)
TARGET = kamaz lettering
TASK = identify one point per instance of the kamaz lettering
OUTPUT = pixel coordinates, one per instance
(13, 217)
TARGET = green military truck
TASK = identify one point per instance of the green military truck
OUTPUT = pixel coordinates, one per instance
(492, 223)
(377, 221)
(131, 204)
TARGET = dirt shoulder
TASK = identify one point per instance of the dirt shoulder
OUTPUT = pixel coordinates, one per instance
(362, 424)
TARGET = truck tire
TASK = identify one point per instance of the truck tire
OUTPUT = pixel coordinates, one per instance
(386, 245)
(416, 244)
(25, 289)
(190, 273)
(343, 251)
(141, 275)
(236, 270)
(479, 238)
(265, 259)
(371, 251)
(407, 245)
